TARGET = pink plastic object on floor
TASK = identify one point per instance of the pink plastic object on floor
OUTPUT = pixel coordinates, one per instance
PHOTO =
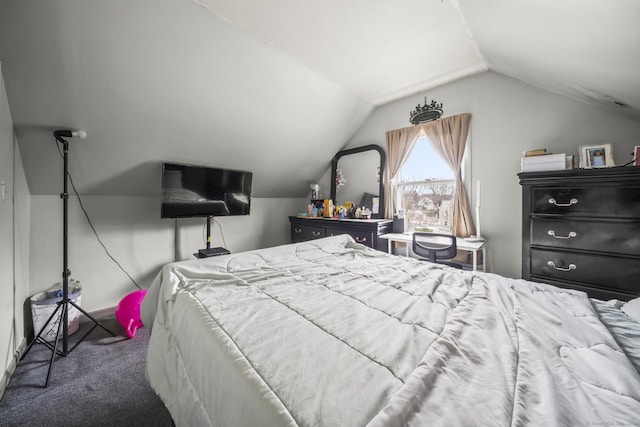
(128, 312)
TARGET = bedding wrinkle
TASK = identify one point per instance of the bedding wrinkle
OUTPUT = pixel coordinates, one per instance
(583, 362)
(559, 372)
(277, 293)
(409, 311)
(534, 403)
(236, 359)
(330, 330)
(331, 333)
(337, 290)
(624, 330)
(441, 380)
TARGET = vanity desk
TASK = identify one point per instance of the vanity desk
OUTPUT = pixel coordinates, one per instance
(365, 231)
(357, 175)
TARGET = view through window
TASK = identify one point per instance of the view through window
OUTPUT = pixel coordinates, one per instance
(426, 190)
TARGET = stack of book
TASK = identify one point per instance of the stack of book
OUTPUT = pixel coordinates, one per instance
(541, 160)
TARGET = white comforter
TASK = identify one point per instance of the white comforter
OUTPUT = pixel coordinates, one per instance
(330, 333)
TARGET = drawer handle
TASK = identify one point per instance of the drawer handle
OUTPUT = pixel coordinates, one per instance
(553, 264)
(316, 233)
(564, 205)
(553, 234)
(361, 239)
(297, 230)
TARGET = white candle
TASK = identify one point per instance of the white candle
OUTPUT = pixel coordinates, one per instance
(478, 195)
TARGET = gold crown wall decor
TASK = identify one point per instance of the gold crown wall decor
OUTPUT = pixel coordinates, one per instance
(426, 113)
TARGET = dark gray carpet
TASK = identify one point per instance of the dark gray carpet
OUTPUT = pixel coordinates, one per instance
(100, 383)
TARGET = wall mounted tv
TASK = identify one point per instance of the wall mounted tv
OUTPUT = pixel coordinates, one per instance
(198, 191)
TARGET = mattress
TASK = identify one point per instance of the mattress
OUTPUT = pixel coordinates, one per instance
(332, 333)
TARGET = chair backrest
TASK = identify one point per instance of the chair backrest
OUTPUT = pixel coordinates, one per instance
(434, 246)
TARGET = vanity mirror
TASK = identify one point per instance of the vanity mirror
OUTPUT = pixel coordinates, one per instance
(357, 176)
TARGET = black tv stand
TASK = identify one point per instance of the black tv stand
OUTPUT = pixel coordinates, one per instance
(209, 252)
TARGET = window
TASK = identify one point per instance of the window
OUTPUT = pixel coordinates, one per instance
(426, 190)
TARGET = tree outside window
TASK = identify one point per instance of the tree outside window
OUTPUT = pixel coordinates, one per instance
(426, 190)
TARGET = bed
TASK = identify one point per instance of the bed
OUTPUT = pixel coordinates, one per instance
(332, 333)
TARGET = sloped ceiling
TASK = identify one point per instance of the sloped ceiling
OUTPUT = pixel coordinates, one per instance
(588, 50)
(381, 50)
(275, 86)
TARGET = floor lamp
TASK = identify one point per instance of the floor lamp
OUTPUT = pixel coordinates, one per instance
(63, 304)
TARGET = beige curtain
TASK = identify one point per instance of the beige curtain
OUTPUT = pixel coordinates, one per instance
(449, 138)
(400, 142)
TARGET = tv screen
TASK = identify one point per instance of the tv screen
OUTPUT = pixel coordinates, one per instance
(195, 191)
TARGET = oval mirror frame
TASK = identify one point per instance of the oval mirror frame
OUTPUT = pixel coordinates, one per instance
(334, 168)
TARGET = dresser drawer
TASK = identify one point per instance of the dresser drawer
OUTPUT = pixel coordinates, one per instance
(600, 271)
(611, 202)
(301, 233)
(593, 292)
(589, 235)
(365, 231)
(363, 237)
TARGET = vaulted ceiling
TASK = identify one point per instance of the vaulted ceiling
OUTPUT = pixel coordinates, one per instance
(276, 86)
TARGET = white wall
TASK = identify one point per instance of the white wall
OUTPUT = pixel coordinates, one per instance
(7, 344)
(22, 246)
(14, 244)
(508, 117)
(131, 229)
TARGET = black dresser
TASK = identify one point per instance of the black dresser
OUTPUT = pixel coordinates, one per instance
(365, 231)
(581, 230)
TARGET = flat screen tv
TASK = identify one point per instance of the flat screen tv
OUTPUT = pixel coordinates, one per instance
(198, 191)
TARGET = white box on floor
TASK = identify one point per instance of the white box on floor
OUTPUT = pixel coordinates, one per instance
(43, 305)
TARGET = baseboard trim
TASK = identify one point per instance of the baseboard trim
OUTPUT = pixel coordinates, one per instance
(98, 314)
(8, 373)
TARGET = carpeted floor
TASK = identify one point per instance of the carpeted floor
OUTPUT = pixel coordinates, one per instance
(100, 383)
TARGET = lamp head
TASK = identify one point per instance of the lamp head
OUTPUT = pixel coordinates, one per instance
(59, 134)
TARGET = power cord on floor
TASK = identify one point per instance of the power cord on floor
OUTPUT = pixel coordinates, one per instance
(93, 228)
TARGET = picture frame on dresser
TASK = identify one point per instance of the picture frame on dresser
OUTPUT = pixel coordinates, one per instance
(636, 155)
(596, 156)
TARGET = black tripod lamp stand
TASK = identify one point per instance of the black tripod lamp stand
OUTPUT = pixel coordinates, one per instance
(63, 304)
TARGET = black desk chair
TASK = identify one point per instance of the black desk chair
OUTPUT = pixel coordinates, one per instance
(436, 247)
